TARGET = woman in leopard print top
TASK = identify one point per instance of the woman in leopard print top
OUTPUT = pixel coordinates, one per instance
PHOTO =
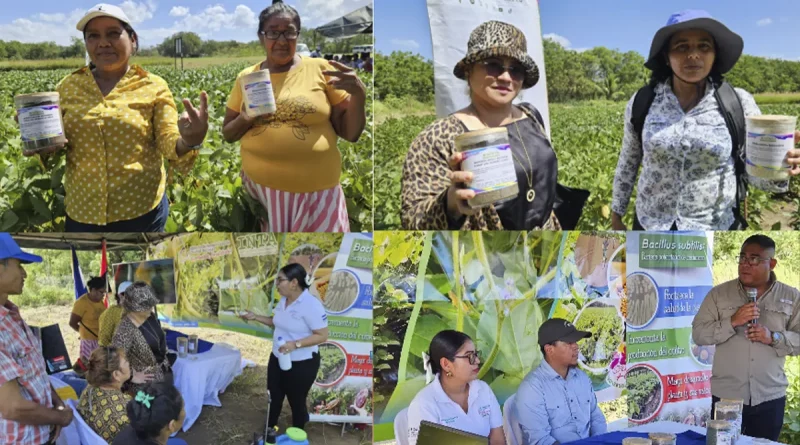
(434, 197)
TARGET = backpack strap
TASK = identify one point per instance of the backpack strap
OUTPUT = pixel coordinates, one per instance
(641, 106)
(733, 112)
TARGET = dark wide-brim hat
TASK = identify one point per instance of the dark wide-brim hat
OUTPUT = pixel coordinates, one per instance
(729, 44)
(498, 39)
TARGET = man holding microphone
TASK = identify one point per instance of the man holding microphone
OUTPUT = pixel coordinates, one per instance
(752, 338)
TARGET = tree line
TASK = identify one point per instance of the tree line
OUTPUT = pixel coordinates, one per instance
(598, 73)
(192, 46)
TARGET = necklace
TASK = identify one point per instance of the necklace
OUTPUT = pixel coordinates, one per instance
(528, 174)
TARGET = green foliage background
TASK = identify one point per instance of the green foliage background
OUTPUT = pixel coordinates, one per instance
(210, 198)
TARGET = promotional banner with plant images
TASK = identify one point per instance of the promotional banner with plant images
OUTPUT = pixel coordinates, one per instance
(219, 275)
(497, 287)
(668, 376)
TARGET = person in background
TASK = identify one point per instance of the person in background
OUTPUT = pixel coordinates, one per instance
(752, 339)
(121, 124)
(556, 402)
(435, 190)
(317, 52)
(367, 62)
(455, 396)
(301, 320)
(85, 317)
(291, 162)
(110, 319)
(31, 412)
(140, 335)
(102, 404)
(155, 413)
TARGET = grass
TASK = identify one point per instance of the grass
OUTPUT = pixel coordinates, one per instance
(777, 98)
(201, 62)
(243, 410)
(394, 107)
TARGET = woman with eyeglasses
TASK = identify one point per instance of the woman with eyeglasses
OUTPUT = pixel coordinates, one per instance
(102, 404)
(435, 190)
(455, 397)
(290, 160)
(300, 324)
(140, 335)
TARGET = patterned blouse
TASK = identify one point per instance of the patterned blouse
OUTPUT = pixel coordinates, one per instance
(688, 173)
(138, 352)
(104, 411)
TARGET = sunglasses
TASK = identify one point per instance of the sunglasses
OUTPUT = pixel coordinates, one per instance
(495, 68)
(472, 356)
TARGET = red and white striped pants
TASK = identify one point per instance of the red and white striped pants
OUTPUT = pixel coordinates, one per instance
(322, 211)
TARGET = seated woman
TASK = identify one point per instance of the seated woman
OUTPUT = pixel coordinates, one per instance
(454, 396)
(102, 404)
(155, 414)
(140, 335)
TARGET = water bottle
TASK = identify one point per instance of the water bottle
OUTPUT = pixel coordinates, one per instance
(293, 436)
(284, 360)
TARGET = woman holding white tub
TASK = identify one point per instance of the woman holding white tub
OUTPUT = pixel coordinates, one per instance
(300, 320)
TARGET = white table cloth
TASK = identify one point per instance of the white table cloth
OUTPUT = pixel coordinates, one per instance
(677, 428)
(201, 378)
(69, 434)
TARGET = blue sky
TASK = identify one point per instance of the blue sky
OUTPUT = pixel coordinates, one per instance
(154, 20)
(770, 28)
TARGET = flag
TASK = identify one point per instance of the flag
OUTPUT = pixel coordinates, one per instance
(104, 271)
(77, 276)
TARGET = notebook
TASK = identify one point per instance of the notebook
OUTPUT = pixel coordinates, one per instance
(435, 434)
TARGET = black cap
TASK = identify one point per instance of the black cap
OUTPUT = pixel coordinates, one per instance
(556, 329)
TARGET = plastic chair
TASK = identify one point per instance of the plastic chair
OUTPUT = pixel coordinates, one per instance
(401, 427)
(510, 423)
(85, 432)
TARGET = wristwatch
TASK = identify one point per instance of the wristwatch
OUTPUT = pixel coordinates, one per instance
(297, 345)
(776, 337)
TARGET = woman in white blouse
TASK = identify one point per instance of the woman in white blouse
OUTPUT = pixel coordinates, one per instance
(455, 397)
(688, 181)
(300, 320)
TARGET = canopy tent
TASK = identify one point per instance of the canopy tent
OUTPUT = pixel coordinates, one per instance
(349, 25)
(89, 241)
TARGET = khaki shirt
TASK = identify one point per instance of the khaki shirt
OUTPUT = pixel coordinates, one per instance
(751, 371)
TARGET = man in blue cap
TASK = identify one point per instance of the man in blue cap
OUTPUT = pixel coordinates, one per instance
(555, 402)
(31, 412)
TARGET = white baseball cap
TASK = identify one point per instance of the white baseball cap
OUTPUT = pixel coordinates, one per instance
(103, 10)
(122, 287)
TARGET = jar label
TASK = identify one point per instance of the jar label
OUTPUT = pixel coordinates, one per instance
(40, 122)
(768, 151)
(259, 94)
(724, 438)
(492, 168)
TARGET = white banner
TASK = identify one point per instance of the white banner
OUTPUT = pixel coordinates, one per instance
(452, 21)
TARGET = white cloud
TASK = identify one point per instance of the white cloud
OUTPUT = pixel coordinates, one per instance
(406, 44)
(764, 22)
(138, 12)
(57, 18)
(179, 11)
(563, 41)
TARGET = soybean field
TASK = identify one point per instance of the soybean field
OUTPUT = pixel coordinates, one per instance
(209, 198)
(587, 137)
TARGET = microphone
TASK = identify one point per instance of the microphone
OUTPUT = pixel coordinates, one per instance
(752, 294)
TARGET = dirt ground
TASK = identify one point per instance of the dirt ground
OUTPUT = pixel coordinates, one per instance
(243, 409)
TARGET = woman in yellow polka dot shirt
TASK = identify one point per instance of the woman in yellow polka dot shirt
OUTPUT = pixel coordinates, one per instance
(121, 122)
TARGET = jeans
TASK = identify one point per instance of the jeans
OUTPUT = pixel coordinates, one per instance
(153, 221)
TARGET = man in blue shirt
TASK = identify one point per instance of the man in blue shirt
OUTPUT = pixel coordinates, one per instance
(555, 402)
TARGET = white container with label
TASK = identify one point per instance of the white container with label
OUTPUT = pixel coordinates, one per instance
(284, 360)
(769, 138)
(257, 94)
(40, 121)
(183, 347)
(487, 155)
